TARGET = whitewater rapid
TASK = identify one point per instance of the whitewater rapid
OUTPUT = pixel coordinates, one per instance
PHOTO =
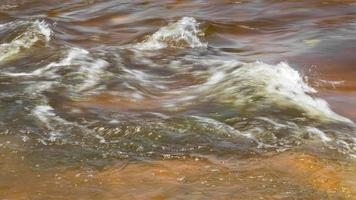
(273, 102)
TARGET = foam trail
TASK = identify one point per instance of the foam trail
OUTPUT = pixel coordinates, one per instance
(90, 70)
(73, 54)
(47, 116)
(43, 113)
(35, 32)
(92, 74)
(219, 125)
(183, 33)
(88, 73)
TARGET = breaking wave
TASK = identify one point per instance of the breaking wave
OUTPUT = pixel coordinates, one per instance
(259, 84)
(84, 71)
(34, 32)
(183, 33)
(250, 87)
(89, 70)
(272, 105)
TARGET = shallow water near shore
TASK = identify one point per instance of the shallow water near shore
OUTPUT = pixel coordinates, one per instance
(177, 99)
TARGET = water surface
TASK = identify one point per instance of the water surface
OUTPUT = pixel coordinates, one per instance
(177, 99)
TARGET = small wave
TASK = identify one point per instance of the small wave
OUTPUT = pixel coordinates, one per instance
(319, 133)
(86, 71)
(89, 69)
(56, 126)
(35, 31)
(183, 33)
(258, 85)
(218, 125)
(284, 86)
(46, 114)
(73, 53)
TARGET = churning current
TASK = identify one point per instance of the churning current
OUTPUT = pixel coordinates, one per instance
(93, 94)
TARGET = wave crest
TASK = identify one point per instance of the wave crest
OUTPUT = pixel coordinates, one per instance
(260, 84)
(183, 33)
(36, 31)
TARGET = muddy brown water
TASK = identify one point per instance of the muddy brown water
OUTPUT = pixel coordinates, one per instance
(177, 99)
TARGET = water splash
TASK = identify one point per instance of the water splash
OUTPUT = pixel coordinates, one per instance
(89, 70)
(183, 33)
(35, 32)
(257, 85)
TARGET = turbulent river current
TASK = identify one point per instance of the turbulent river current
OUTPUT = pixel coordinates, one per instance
(177, 99)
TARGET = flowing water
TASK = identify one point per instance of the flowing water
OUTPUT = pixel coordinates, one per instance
(176, 99)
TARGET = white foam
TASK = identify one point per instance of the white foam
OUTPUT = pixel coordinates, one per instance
(275, 124)
(91, 73)
(37, 87)
(319, 133)
(46, 114)
(215, 78)
(73, 53)
(36, 31)
(54, 123)
(284, 86)
(257, 85)
(218, 125)
(278, 84)
(183, 33)
(87, 70)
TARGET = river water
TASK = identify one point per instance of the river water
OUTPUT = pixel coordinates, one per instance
(176, 99)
